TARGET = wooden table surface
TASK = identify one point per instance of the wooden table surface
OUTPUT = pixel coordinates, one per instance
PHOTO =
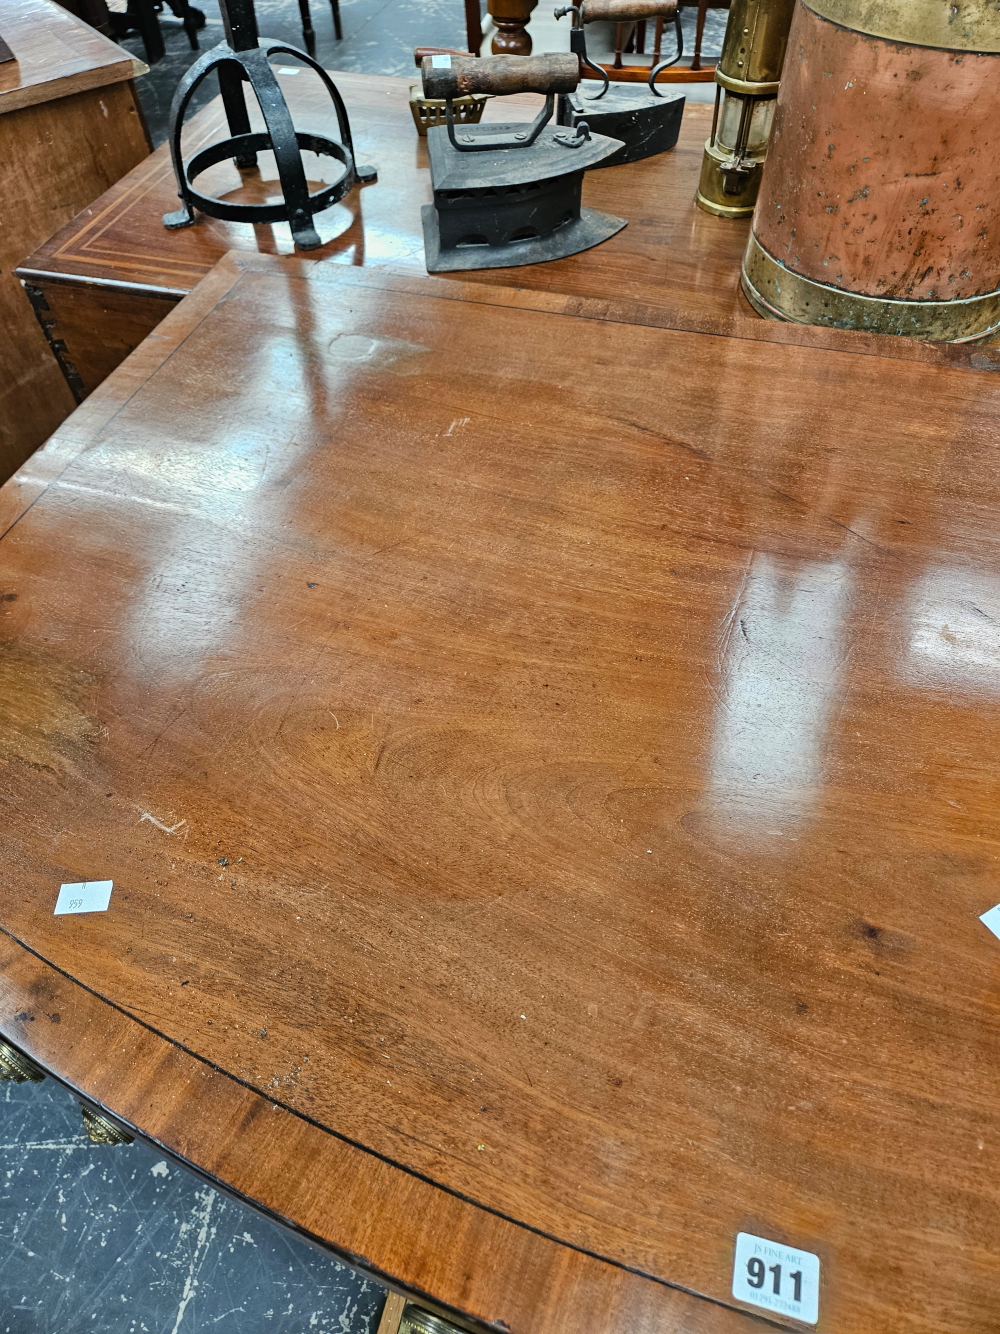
(108, 278)
(56, 55)
(549, 803)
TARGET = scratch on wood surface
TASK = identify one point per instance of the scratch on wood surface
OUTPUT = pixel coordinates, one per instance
(732, 619)
(159, 824)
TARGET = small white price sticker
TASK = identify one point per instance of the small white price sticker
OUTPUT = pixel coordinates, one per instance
(991, 920)
(774, 1277)
(87, 896)
(440, 62)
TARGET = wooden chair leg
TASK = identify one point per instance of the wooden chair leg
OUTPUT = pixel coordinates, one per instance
(143, 14)
(338, 31)
(619, 44)
(699, 33)
(657, 40)
(473, 27)
(308, 35)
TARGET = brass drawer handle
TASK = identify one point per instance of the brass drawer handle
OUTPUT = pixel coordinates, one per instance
(16, 1068)
(101, 1129)
(418, 1321)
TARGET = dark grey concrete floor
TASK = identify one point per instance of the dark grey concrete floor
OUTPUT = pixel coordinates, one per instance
(120, 1240)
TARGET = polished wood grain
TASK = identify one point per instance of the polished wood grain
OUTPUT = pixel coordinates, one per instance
(55, 55)
(565, 792)
(671, 253)
(69, 126)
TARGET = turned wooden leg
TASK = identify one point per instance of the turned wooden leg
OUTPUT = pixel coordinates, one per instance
(620, 30)
(511, 18)
(699, 33)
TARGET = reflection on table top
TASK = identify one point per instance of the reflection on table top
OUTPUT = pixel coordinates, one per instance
(550, 803)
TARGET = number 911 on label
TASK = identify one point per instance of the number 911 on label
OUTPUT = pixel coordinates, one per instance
(776, 1278)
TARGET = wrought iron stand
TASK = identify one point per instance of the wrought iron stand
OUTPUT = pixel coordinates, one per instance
(243, 58)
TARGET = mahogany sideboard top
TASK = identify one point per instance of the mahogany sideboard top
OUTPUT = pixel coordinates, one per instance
(550, 804)
(103, 282)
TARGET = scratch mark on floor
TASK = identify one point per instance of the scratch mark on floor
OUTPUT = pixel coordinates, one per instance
(206, 1235)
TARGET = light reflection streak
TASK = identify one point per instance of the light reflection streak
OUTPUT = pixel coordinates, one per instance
(781, 668)
(954, 631)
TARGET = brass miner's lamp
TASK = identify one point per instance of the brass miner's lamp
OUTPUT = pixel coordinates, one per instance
(746, 76)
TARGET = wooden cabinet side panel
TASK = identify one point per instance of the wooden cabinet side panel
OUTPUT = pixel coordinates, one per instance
(55, 159)
(91, 330)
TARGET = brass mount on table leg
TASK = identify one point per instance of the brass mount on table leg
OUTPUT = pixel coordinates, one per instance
(16, 1068)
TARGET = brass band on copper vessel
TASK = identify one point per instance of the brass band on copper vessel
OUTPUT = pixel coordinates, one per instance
(778, 293)
(961, 25)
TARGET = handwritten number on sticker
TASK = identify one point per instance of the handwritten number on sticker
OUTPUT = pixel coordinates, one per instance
(84, 896)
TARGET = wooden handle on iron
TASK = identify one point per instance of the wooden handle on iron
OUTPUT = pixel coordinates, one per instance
(499, 75)
(420, 51)
(622, 11)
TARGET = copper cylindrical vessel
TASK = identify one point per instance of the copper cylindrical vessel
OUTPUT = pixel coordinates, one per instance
(879, 206)
(746, 80)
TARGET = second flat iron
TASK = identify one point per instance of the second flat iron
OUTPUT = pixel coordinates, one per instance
(646, 121)
(509, 194)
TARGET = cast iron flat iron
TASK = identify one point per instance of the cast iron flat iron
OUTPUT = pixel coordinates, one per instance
(507, 194)
(639, 115)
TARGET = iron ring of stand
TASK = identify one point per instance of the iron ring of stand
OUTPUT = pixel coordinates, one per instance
(252, 66)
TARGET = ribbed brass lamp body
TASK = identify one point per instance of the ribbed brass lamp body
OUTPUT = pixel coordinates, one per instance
(879, 207)
(746, 76)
